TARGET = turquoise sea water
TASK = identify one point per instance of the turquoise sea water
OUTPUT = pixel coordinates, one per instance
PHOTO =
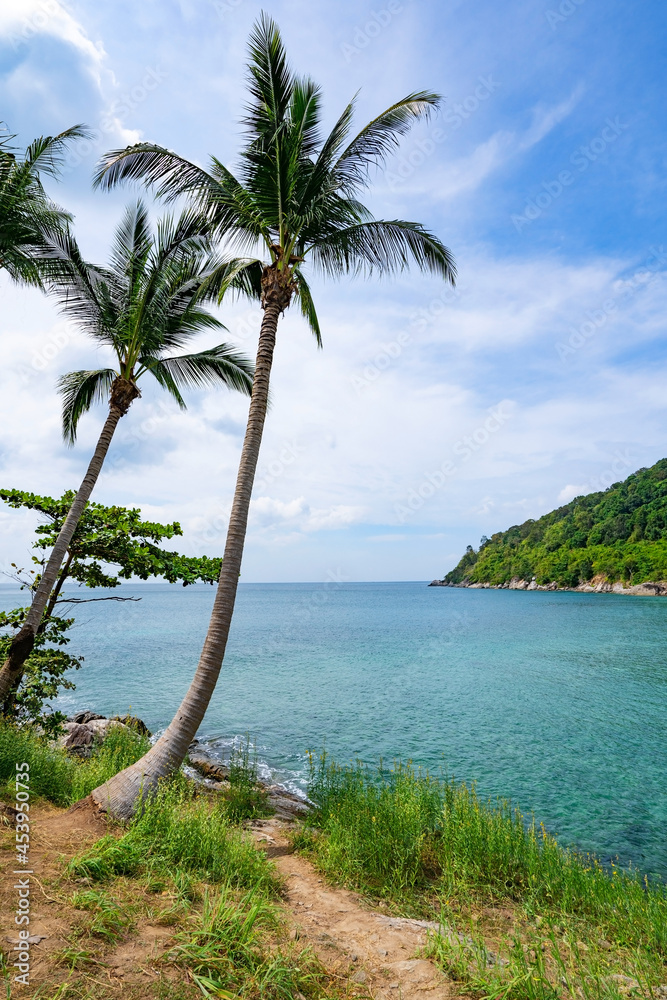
(555, 700)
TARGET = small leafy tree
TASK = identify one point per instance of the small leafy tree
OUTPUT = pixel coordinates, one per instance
(45, 670)
(110, 544)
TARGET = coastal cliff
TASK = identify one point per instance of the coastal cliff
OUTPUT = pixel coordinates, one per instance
(609, 542)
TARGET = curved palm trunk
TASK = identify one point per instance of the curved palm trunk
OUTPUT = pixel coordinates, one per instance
(119, 795)
(122, 395)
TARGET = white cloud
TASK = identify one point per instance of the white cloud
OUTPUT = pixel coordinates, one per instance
(571, 491)
(22, 19)
(267, 512)
(448, 178)
(546, 119)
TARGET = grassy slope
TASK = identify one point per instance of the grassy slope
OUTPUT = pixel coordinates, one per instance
(433, 849)
(184, 865)
(620, 535)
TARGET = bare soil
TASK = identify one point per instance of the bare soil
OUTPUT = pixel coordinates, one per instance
(375, 953)
(355, 942)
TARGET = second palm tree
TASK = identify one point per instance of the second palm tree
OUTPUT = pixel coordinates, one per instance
(147, 303)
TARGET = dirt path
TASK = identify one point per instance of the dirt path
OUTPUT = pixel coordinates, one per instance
(372, 948)
(377, 952)
(56, 835)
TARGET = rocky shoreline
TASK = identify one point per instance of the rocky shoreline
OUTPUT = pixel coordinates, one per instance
(594, 586)
(85, 730)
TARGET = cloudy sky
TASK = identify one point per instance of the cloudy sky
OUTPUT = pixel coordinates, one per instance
(431, 417)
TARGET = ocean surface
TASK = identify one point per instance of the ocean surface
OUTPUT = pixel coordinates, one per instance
(555, 700)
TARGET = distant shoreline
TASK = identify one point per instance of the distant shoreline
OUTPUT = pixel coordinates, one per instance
(647, 589)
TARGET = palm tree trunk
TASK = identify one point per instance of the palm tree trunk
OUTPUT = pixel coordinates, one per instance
(55, 593)
(122, 394)
(119, 795)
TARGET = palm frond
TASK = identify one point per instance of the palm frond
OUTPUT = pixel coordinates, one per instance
(46, 154)
(271, 81)
(221, 364)
(381, 137)
(79, 391)
(27, 215)
(239, 275)
(132, 240)
(307, 306)
(248, 280)
(163, 376)
(326, 157)
(381, 247)
(305, 116)
(88, 295)
(169, 174)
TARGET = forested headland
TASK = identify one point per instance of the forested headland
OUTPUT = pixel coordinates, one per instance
(617, 536)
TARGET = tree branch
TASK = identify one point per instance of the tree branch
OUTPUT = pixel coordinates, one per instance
(89, 600)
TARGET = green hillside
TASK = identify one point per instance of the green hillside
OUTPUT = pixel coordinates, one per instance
(618, 535)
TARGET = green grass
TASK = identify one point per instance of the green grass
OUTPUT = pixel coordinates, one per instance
(246, 799)
(180, 830)
(184, 863)
(432, 847)
(224, 946)
(56, 775)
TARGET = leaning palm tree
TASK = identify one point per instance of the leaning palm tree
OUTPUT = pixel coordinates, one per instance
(146, 304)
(27, 214)
(294, 203)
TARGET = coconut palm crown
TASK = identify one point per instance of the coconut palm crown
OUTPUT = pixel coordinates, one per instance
(296, 194)
(146, 304)
(294, 203)
(27, 214)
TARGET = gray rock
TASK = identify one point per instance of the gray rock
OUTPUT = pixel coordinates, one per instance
(207, 765)
(132, 722)
(100, 728)
(78, 739)
(83, 717)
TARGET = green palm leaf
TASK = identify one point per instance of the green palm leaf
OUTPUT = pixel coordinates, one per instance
(79, 391)
(28, 217)
(384, 248)
(218, 365)
(381, 137)
(307, 305)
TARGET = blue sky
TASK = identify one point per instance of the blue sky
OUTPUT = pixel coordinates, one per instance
(431, 417)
